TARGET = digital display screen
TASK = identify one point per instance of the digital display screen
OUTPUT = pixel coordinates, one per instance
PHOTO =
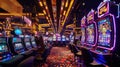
(27, 39)
(50, 38)
(67, 38)
(17, 40)
(90, 32)
(34, 44)
(104, 32)
(3, 48)
(28, 45)
(18, 46)
(3, 45)
(83, 36)
(59, 38)
(2, 40)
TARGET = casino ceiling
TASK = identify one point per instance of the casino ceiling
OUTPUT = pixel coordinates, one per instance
(56, 13)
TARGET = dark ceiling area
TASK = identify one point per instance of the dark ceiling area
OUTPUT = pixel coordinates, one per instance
(79, 9)
(30, 6)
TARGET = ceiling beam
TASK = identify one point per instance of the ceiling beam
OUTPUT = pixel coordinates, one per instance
(12, 6)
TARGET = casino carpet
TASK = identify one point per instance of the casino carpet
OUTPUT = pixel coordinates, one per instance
(60, 57)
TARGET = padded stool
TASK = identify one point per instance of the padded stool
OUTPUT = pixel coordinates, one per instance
(95, 64)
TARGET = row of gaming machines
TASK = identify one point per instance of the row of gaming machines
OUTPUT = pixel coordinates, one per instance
(100, 34)
(13, 50)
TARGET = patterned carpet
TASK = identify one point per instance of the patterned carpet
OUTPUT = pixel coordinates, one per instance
(60, 57)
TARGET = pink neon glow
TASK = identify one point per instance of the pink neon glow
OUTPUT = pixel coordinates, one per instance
(101, 5)
(83, 21)
(27, 20)
(91, 13)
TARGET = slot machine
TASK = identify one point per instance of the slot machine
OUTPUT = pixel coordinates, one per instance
(83, 31)
(17, 44)
(5, 53)
(6, 56)
(108, 32)
(27, 42)
(91, 30)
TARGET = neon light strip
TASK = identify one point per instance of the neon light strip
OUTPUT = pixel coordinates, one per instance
(101, 5)
(83, 20)
(114, 35)
(91, 12)
(118, 10)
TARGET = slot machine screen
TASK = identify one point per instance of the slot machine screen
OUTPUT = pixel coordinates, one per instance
(3, 48)
(3, 45)
(34, 44)
(90, 32)
(59, 38)
(83, 36)
(104, 32)
(18, 46)
(50, 39)
(28, 45)
(63, 38)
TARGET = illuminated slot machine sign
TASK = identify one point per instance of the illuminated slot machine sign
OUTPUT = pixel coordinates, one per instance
(103, 9)
(106, 27)
(83, 30)
(4, 51)
(17, 44)
(33, 42)
(91, 29)
(27, 43)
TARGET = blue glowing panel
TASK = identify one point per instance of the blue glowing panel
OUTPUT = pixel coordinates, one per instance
(3, 48)
(104, 32)
(83, 36)
(90, 34)
(18, 31)
(63, 38)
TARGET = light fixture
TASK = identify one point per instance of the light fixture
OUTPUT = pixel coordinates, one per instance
(66, 5)
(40, 3)
(44, 11)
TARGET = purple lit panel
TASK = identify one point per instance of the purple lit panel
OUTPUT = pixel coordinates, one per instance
(107, 32)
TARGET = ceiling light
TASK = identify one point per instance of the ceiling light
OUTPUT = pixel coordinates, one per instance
(83, 4)
(40, 3)
(44, 11)
(44, 3)
(64, 12)
(66, 5)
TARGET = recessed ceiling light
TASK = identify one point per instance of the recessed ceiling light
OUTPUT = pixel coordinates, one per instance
(83, 4)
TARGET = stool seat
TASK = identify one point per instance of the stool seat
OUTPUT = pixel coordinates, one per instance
(96, 64)
(79, 53)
